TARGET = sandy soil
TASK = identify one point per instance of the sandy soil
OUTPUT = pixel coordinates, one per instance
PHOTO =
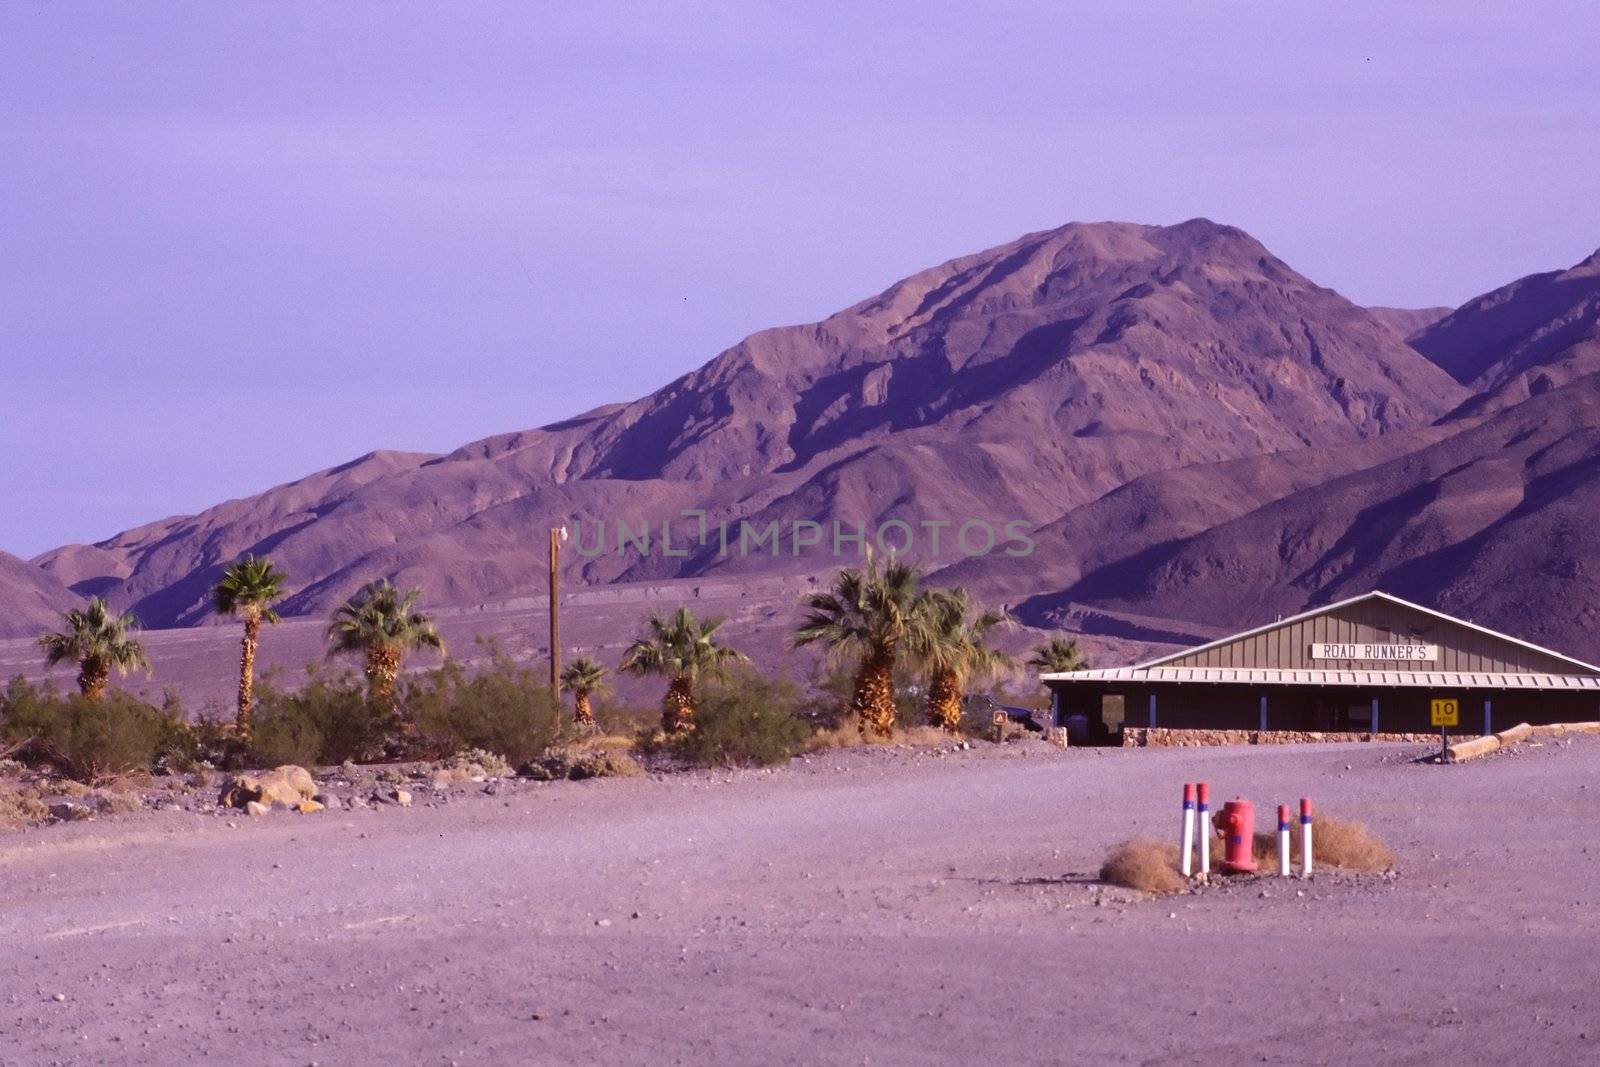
(861, 907)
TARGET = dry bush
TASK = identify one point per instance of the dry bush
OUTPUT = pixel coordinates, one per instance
(477, 762)
(614, 742)
(577, 762)
(848, 736)
(1144, 864)
(1347, 845)
(19, 807)
(624, 720)
(116, 802)
(1335, 842)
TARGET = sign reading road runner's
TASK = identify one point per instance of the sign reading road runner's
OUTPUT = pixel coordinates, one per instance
(1446, 712)
(1387, 653)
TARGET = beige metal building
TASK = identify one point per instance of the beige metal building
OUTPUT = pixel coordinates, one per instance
(1373, 664)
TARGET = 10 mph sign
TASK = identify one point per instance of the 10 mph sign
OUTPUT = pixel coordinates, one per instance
(1446, 712)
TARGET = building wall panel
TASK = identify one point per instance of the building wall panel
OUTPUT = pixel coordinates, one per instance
(1460, 648)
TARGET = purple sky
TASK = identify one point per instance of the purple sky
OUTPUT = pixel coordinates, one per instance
(246, 241)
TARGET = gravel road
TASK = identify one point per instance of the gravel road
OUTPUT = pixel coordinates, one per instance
(887, 907)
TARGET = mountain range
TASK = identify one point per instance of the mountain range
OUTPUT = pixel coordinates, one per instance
(1194, 435)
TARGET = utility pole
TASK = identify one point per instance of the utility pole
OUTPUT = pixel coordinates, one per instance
(557, 535)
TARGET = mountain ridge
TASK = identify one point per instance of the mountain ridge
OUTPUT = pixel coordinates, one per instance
(1127, 385)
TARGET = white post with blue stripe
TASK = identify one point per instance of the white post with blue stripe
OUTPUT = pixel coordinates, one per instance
(1305, 837)
(1283, 840)
(1202, 816)
(1186, 853)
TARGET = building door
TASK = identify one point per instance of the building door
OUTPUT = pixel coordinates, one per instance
(1357, 718)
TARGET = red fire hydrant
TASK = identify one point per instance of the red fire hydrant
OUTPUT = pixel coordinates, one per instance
(1237, 825)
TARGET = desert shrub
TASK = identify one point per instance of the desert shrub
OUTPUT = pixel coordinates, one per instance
(116, 801)
(503, 709)
(20, 807)
(477, 761)
(577, 762)
(91, 742)
(849, 736)
(216, 743)
(329, 720)
(1347, 845)
(624, 720)
(749, 720)
(1335, 842)
(1144, 864)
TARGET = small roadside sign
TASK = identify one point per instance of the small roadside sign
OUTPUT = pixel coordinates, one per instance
(1000, 717)
(1445, 712)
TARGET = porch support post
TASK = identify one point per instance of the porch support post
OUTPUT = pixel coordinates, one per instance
(1263, 726)
(1152, 709)
(1374, 714)
(1488, 716)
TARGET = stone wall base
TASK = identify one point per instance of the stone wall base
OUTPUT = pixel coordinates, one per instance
(1166, 737)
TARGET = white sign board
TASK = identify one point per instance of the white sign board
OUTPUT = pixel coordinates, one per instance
(1390, 653)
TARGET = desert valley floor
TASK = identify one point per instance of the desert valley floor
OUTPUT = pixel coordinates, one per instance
(858, 906)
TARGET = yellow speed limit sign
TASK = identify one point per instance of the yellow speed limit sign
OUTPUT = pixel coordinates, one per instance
(1446, 712)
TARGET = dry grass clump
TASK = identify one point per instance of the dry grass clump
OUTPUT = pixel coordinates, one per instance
(577, 762)
(1346, 845)
(1335, 842)
(1144, 864)
(19, 807)
(849, 736)
(116, 802)
(614, 742)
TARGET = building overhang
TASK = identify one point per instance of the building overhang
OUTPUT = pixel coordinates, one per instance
(1359, 679)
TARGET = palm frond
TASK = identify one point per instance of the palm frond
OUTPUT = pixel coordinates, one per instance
(94, 632)
(381, 617)
(251, 584)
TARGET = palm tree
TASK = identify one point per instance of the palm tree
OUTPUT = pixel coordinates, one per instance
(582, 677)
(247, 591)
(868, 615)
(98, 642)
(949, 641)
(1062, 654)
(682, 649)
(382, 625)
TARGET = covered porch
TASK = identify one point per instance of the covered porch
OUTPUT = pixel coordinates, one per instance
(1095, 710)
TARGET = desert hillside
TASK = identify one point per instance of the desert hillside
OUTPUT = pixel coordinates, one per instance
(1193, 434)
(1014, 384)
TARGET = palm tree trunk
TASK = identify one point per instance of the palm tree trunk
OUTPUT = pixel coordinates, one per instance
(873, 703)
(944, 701)
(247, 673)
(677, 707)
(94, 674)
(582, 712)
(383, 669)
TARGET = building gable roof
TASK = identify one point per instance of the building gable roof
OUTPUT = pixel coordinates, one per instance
(1579, 667)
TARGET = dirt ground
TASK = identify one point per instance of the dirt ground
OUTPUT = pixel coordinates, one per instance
(885, 907)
